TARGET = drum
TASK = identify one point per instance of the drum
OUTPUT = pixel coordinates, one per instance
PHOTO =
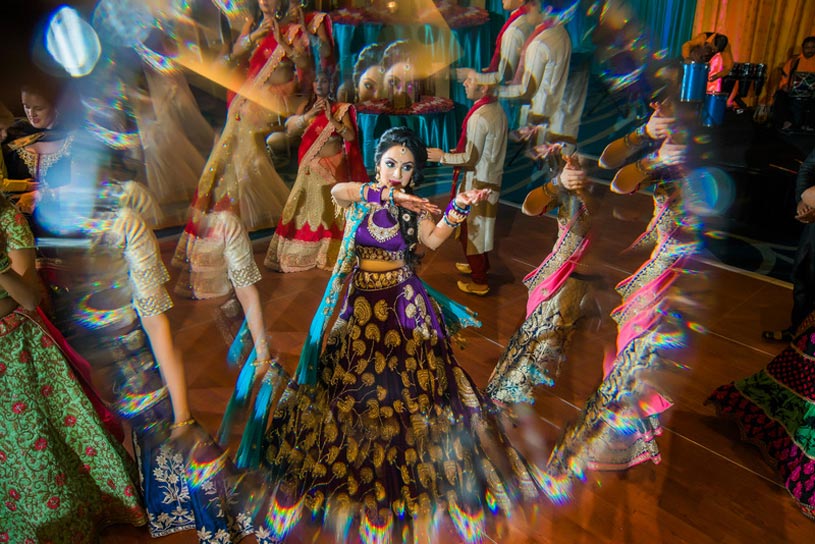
(713, 112)
(760, 77)
(729, 81)
(694, 82)
(746, 77)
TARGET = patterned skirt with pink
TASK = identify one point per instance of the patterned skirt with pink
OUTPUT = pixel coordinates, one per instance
(775, 410)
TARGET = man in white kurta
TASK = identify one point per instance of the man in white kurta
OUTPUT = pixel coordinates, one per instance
(511, 41)
(480, 158)
(545, 70)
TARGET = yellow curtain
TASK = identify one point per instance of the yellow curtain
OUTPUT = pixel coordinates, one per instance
(759, 31)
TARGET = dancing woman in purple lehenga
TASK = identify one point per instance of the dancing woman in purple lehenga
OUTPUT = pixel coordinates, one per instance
(383, 423)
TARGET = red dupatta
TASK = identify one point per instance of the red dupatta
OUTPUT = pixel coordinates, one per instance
(291, 31)
(496, 55)
(519, 72)
(320, 130)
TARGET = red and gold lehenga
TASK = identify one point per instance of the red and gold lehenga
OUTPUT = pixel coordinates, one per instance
(240, 190)
(309, 233)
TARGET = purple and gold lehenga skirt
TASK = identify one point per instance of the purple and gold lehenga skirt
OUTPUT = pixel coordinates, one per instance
(394, 430)
(775, 409)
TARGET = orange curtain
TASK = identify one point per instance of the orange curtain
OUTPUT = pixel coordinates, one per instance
(759, 31)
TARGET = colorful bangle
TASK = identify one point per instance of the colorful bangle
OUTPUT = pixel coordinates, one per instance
(463, 211)
(184, 423)
(246, 42)
(454, 208)
(642, 133)
(373, 197)
(449, 223)
(391, 201)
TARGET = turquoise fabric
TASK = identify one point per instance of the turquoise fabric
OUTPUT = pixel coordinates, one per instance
(435, 129)
(669, 23)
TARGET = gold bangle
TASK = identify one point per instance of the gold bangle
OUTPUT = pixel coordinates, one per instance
(183, 423)
(262, 362)
(546, 189)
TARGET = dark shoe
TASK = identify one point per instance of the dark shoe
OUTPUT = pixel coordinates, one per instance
(778, 336)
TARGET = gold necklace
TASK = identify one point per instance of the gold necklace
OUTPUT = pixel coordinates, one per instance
(381, 234)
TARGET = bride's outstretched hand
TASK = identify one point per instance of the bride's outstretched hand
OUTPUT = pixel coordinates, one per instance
(414, 203)
(473, 196)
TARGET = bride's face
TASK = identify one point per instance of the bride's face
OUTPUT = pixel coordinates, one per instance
(396, 167)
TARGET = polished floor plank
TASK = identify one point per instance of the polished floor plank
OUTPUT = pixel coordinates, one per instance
(709, 487)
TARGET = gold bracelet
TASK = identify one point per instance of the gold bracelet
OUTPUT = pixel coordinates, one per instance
(182, 423)
(546, 189)
(262, 362)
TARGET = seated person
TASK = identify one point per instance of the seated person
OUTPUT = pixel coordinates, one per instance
(794, 101)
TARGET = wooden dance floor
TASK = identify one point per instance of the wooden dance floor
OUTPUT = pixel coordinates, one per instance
(709, 487)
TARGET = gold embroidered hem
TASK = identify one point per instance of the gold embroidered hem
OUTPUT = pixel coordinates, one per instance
(393, 428)
(371, 253)
(581, 445)
(298, 255)
(536, 351)
(373, 281)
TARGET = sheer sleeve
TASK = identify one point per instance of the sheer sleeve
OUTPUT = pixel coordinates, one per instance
(240, 259)
(147, 272)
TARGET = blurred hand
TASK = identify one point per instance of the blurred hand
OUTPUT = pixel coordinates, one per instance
(523, 134)
(573, 179)
(263, 28)
(658, 127)
(805, 213)
(434, 154)
(671, 154)
(762, 114)
(473, 196)
(542, 151)
(296, 13)
(414, 203)
(808, 197)
(27, 202)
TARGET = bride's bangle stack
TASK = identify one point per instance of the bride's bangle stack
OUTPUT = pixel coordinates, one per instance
(455, 215)
(375, 196)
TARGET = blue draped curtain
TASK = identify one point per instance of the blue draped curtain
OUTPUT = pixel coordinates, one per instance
(669, 23)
